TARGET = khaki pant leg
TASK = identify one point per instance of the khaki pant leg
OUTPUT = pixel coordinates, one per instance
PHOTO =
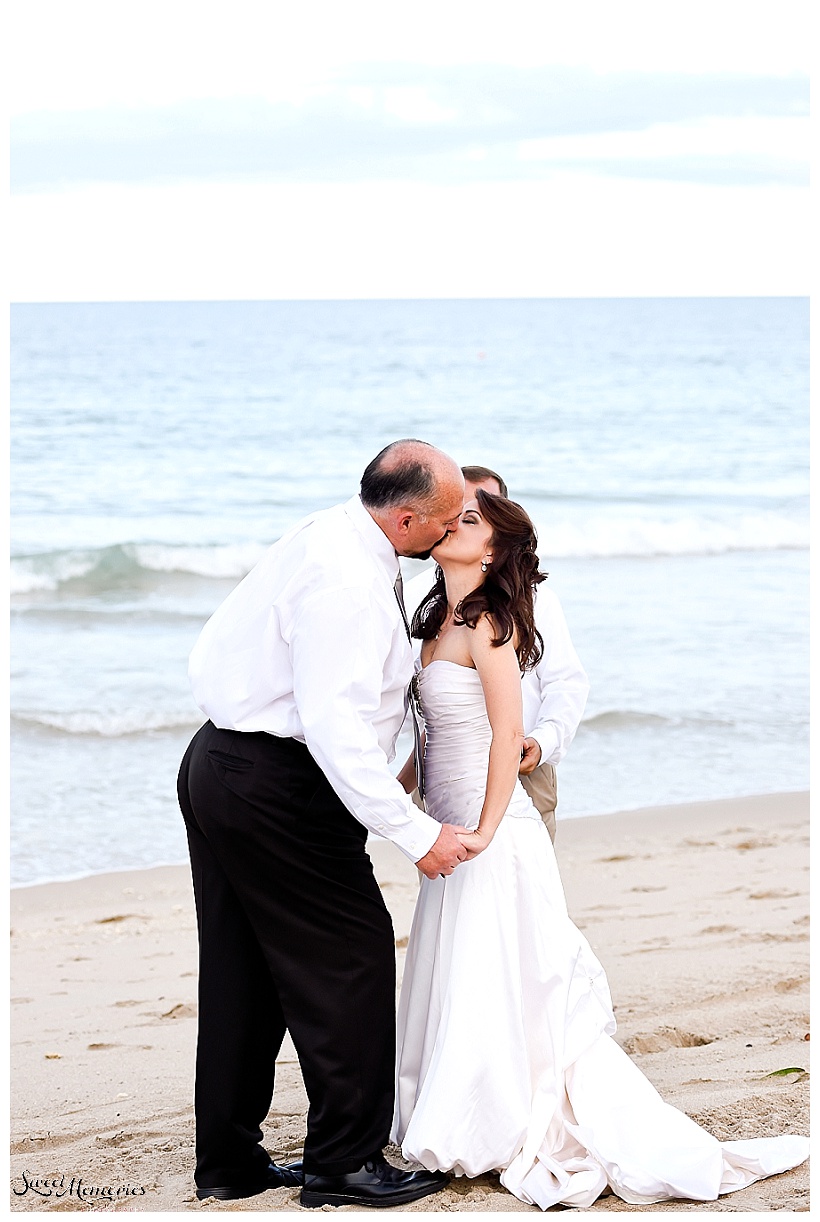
(542, 786)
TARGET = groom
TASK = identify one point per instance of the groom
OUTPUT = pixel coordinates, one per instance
(303, 672)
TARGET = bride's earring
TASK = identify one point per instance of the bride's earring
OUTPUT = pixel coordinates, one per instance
(484, 566)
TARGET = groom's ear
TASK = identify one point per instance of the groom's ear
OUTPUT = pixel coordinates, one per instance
(403, 519)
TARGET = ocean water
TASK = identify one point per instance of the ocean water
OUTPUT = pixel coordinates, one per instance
(661, 447)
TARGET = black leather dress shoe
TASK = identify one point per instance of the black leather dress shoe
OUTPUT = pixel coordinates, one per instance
(376, 1184)
(286, 1175)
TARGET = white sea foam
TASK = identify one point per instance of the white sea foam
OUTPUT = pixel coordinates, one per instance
(588, 536)
(106, 724)
(128, 564)
(634, 535)
(29, 573)
(225, 561)
(25, 582)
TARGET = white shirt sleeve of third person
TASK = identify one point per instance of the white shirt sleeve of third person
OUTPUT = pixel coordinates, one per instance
(338, 643)
(562, 682)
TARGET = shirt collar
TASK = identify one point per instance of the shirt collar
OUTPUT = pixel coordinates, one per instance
(377, 541)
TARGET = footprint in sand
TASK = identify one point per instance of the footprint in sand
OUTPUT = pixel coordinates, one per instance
(118, 1139)
(664, 1038)
(787, 986)
(766, 936)
(760, 842)
(181, 1010)
(647, 948)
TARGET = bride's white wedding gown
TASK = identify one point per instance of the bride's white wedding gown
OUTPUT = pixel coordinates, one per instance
(505, 1056)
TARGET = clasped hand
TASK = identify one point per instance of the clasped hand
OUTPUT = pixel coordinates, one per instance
(445, 855)
(474, 842)
(454, 845)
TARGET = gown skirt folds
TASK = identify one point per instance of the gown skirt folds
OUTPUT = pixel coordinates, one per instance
(506, 1060)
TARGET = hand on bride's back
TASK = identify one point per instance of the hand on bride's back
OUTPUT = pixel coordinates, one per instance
(445, 854)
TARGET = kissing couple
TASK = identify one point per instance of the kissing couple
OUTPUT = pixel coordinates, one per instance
(504, 1059)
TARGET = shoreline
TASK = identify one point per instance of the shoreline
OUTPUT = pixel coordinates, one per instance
(664, 810)
(698, 912)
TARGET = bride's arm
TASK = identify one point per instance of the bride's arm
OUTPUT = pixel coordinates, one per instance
(501, 680)
(407, 777)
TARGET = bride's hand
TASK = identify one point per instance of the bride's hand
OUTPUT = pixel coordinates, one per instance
(474, 842)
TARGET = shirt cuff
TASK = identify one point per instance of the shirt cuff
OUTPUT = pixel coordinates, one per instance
(416, 837)
(548, 740)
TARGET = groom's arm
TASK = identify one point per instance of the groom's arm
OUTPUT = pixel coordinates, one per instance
(338, 645)
(560, 687)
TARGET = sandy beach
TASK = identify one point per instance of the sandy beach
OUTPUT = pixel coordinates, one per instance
(699, 914)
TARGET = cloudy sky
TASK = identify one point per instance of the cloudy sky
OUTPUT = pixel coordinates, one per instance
(258, 149)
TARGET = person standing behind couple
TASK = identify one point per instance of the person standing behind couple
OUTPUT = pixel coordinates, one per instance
(554, 693)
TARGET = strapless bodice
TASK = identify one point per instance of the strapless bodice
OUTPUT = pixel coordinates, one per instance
(457, 747)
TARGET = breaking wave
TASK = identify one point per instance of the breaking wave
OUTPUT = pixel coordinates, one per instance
(133, 565)
(107, 724)
(605, 535)
(129, 565)
(613, 720)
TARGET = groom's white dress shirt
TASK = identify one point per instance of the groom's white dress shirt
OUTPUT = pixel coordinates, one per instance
(554, 693)
(312, 646)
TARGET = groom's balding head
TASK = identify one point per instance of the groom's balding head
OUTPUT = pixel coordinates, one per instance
(412, 473)
(415, 492)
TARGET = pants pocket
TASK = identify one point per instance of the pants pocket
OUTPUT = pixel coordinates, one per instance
(234, 763)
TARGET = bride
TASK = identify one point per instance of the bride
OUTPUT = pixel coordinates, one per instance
(506, 1060)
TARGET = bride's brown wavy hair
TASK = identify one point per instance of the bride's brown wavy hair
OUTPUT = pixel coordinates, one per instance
(506, 594)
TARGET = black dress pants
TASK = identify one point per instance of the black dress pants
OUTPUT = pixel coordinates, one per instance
(294, 935)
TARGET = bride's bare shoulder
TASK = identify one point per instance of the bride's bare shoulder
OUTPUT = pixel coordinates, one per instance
(486, 633)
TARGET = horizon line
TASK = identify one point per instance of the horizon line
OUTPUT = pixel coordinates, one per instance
(691, 296)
